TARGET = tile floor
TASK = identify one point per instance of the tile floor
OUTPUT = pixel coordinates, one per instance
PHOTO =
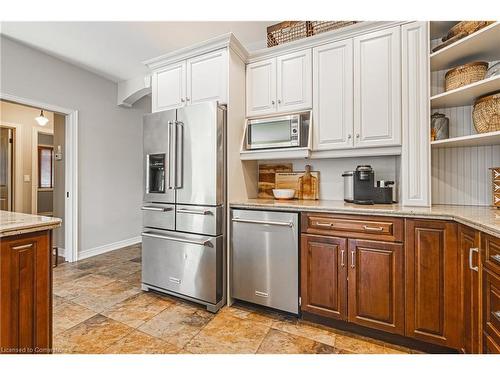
(100, 308)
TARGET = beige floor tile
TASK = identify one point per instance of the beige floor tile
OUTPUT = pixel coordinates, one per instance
(306, 330)
(138, 309)
(177, 324)
(121, 270)
(228, 334)
(73, 289)
(67, 314)
(102, 298)
(141, 343)
(258, 316)
(134, 279)
(92, 336)
(277, 342)
(63, 274)
(360, 346)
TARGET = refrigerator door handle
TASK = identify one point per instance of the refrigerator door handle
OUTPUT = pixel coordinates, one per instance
(169, 164)
(179, 143)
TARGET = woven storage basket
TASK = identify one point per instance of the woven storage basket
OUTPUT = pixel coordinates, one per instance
(465, 75)
(319, 27)
(467, 27)
(486, 113)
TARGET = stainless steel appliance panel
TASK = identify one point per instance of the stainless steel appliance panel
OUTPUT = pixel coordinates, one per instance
(158, 215)
(200, 219)
(157, 151)
(200, 154)
(186, 264)
(265, 258)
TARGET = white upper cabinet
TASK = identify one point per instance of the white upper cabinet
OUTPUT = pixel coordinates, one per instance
(333, 96)
(261, 87)
(294, 73)
(377, 89)
(199, 79)
(281, 84)
(207, 77)
(169, 87)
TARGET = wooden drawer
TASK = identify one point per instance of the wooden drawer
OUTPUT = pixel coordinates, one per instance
(491, 252)
(491, 306)
(355, 226)
(491, 347)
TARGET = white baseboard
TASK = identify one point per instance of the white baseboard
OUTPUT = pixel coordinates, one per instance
(109, 247)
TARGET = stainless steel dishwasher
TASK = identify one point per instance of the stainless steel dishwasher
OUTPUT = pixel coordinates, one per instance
(265, 258)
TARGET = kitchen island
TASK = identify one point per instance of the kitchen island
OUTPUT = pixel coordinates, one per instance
(26, 282)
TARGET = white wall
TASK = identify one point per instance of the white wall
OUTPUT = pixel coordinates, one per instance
(110, 139)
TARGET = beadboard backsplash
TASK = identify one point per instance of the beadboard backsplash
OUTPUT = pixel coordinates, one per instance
(331, 182)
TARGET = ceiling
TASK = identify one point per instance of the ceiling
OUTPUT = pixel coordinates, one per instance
(116, 50)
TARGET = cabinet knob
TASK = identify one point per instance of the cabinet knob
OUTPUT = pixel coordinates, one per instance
(349, 136)
(357, 135)
(182, 100)
(272, 102)
(187, 99)
(279, 101)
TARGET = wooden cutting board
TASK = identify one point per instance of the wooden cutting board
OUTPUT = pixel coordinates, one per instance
(295, 180)
(267, 177)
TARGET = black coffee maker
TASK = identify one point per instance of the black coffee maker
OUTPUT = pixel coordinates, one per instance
(365, 191)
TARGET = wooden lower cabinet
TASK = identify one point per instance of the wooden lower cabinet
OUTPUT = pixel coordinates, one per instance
(433, 282)
(26, 293)
(491, 311)
(324, 276)
(376, 285)
(470, 259)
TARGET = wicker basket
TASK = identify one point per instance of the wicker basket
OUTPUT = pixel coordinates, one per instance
(467, 27)
(486, 113)
(465, 75)
(288, 31)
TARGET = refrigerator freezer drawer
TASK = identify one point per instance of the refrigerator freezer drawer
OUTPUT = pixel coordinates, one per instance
(190, 265)
(200, 219)
(264, 246)
(158, 215)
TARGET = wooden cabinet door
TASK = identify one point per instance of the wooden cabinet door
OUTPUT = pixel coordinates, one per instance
(468, 240)
(433, 282)
(376, 285)
(26, 293)
(333, 96)
(207, 78)
(169, 87)
(261, 87)
(377, 89)
(294, 79)
(323, 276)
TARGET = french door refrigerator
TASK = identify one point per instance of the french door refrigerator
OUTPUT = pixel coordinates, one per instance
(183, 241)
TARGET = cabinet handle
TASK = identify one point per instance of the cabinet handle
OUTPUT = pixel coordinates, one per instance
(471, 250)
(21, 247)
(327, 225)
(272, 102)
(342, 253)
(496, 257)
(373, 229)
(352, 259)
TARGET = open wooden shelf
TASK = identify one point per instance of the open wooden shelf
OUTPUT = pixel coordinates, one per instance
(483, 139)
(481, 45)
(465, 95)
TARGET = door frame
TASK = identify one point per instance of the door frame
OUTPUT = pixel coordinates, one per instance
(70, 170)
(18, 163)
(34, 166)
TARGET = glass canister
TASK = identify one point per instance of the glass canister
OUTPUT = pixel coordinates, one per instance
(440, 127)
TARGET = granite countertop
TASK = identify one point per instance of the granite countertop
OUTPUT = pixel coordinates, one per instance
(486, 219)
(14, 223)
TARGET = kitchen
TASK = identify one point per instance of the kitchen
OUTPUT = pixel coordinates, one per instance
(303, 197)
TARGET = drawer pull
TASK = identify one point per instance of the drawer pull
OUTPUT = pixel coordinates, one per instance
(496, 314)
(175, 280)
(264, 222)
(178, 239)
(21, 247)
(373, 229)
(327, 225)
(193, 212)
(261, 294)
(496, 257)
(157, 209)
(471, 250)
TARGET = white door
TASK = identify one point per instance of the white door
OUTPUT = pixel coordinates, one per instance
(169, 87)
(294, 78)
(333, 97)
(207, 78)
(377, 89)
(261, 87)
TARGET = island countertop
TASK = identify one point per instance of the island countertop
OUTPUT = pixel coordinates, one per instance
(14, 223)
(483, 218)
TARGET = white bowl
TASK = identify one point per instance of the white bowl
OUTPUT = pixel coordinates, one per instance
(284, 193)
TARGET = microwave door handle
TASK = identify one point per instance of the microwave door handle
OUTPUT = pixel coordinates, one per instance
(179, 150)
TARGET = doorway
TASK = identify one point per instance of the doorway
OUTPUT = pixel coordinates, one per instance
(6, 169)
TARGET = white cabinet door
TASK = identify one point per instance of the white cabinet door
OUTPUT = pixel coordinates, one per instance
(333, 97)
(207, 77)
(169, 87)
(377, 89)
(294, 78)
(261, 87)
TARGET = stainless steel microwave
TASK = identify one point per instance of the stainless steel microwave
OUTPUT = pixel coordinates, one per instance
(278, 131)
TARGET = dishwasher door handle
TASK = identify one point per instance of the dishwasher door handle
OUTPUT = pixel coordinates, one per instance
(264, 222)
(177, 239)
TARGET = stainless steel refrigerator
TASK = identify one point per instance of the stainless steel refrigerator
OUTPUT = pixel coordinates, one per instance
(183, 241)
